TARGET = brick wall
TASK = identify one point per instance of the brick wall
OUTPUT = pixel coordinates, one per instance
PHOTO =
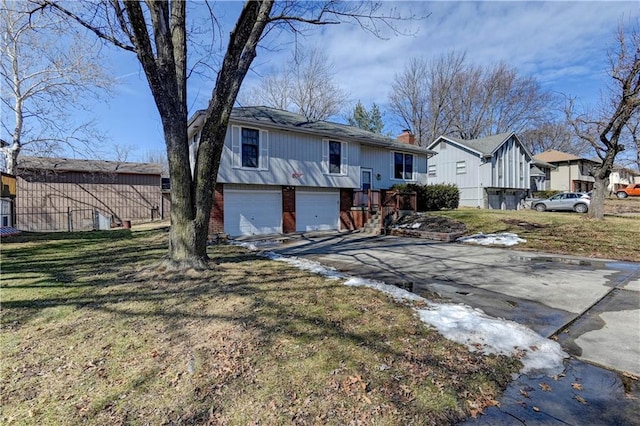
(288, 209)
(216, 219)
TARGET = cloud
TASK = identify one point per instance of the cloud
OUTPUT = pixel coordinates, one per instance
(558, 43)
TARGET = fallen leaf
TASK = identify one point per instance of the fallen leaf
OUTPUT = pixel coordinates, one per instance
(580, 399)
(536, 409)
(545, 387)
(533, 348)
(524, 393)
(630, 376)
(576, 386)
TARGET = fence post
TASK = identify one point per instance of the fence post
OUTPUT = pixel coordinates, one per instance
(69, 224)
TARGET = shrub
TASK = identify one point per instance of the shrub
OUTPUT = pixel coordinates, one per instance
(433, 197)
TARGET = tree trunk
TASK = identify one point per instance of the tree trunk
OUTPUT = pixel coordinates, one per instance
(599, 194)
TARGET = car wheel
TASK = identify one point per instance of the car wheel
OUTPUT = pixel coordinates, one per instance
(621, 194)
(541, 207)
(581, 208)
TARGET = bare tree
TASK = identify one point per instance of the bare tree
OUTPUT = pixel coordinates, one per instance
(156, 31)
(633, 127)
(606, 128)
(553, 134)
(47, 72)
(447, 96)
(409, 99)
(304, 86)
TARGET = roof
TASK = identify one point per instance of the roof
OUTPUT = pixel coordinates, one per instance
(89, 166)
(486, 146)
(279, 119)
(555, 156)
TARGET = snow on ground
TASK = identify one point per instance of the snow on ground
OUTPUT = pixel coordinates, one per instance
(502, 239)
(460, 323)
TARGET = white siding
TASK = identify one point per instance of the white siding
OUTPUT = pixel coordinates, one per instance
(295, 159)
(380, 161)
(511, 166)
(470, 183)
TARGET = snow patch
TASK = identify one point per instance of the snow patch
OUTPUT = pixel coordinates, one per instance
(460, 323)
(501, 239)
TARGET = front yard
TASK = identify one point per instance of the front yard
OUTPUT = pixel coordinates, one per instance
(93, 333)
(568, 233)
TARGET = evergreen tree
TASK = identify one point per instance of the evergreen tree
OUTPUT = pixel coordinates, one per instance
(367, 120)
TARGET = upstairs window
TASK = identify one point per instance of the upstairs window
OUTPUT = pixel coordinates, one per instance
(334, 157)
(402, 166)
(461, 167)
(432, 170)
(250, 148)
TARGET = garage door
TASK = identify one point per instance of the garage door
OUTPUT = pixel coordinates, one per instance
(317, 211)
(252, 212)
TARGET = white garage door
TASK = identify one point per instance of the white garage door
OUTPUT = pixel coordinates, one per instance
(252, 212)
(317, 211)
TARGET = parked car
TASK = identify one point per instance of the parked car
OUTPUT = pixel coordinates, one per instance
(568, 201)
(629, 191)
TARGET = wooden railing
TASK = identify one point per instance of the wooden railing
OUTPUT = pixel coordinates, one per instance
(389, 203)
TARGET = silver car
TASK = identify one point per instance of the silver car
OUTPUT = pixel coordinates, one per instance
(568, 201)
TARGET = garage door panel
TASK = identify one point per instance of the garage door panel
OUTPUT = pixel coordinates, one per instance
(317, 211)
(252, 212)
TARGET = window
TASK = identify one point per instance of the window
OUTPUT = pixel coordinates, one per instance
(334, 157)
(250, 148)
(521, 170)
(432, 170)
(402, 166)
(250, 145)
(461, 167)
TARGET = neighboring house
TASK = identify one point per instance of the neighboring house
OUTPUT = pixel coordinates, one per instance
(7, 200)
(59, 194)
(540, 175)
(571, 172)
(621, 177)
(492, 172)
(280, 173)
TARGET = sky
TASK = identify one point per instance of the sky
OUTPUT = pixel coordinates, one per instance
(457, 322)
(562, 44)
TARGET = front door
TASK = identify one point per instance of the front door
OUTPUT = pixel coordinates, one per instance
(366, 180)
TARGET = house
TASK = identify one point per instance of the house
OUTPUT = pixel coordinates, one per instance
(571, 172)
(280, 173)
(621, 177)
(60, 194)
(540, 175)
(7, 200)
(491, 172)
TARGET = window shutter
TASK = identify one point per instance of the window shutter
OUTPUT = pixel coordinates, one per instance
(264, 150)
(392, 169)
(344, 165)
(236, 146)
(325, 155)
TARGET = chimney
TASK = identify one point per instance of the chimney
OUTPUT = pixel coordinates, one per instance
(407, 137)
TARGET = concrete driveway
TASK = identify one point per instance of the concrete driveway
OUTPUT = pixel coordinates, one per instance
(591, 306)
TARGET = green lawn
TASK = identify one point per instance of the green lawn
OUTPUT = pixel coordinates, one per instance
(94, 333)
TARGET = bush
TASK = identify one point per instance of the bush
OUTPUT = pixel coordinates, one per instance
(433, 197)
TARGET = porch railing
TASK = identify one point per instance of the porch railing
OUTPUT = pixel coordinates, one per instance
(389, 203)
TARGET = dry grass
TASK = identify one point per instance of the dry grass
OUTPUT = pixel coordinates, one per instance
(92, 333)
(617, 237)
